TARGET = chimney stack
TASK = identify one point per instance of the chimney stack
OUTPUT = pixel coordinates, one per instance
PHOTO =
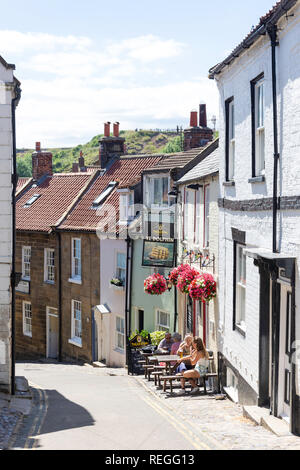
(197, 136)
(111, 147)
(41, 163)
(116, 129)
(81, 160)
(75, 167)
(202, 115)
(107, 129)
(194, 119)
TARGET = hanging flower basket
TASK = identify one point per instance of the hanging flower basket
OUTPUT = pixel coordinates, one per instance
(173, 277)
(185, 278)
(155, 284)
(203, 288)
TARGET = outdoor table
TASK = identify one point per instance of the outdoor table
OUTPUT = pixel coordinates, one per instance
(168, 359)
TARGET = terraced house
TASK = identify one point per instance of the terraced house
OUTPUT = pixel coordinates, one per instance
(259, 283)
(9, 98)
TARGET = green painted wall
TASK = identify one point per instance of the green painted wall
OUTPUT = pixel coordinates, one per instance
(149, 303)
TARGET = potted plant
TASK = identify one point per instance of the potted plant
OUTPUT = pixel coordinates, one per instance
(117, 283)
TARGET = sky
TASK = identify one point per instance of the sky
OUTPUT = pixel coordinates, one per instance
(144, 64)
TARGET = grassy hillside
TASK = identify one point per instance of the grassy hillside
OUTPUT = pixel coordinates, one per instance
(142, 141)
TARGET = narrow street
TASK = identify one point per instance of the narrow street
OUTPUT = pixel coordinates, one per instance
(80, 407)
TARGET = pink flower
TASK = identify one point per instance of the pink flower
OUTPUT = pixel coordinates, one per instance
(185, 277)
(203, 288)
(155, 284)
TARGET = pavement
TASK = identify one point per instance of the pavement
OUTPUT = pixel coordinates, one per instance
(87, 408)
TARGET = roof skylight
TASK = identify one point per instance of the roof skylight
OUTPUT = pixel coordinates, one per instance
(104, 195)
(32, 200)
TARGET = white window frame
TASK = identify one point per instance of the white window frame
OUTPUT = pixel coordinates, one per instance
(198, 217)
(76, 305)
(149, 190)
(189, 214)
(120, 268)
(75, 262)
(206, 207)
(126, 206)
(27, 325)
(26, 263)
(49, 269)
(240, 286)
(120, 333)
(159, 325)
(231, 137)
(259, 128)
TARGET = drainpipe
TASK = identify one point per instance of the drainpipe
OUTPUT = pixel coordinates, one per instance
(59, 298)
(14, 104)
(127, 332)
(272, 31)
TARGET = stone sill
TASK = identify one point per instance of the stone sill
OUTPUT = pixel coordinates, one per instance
(75, 343)
(240, 330)
(75, 281)
(228, 183)
(257, 179)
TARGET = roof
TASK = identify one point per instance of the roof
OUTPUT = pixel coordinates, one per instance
(22, 183)
(126, 171)
(176, 160)
(265, 22)
(56, 194)
(208, 166)
(6, 65)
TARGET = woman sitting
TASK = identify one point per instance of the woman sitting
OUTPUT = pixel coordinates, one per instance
(176, 337)
(200, 360)
(185, 347)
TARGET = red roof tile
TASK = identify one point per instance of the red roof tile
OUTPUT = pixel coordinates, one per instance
(56, 192)
(22, 183)
(125, 171)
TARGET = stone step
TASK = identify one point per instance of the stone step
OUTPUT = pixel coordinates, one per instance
(98, 364)
(261, 417)
(21, 384)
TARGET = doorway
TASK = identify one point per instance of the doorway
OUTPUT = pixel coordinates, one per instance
(52, 333)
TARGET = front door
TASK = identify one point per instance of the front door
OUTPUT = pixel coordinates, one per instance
(52, 320)
(284, 364)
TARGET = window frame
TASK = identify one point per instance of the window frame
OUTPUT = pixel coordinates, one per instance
(126, 206)
(74, 338)
(188, 214)
(120, 267)
(206, 207)
(120, 333)
(74, 276)
(239, 320)
(149, 190)
(257, 168)
(47, 266)
(198, 198)
(24, 276)
(25, 332)
(230, 142)
(160, 326)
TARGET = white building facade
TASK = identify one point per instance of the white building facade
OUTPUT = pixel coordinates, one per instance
(259, 251)
(9, 96)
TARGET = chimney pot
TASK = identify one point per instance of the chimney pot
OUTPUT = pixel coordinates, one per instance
(194, 119)
(38, 146)
(107, 129)
(116, 129)
(202, 115)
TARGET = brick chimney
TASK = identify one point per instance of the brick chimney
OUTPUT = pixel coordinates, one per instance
(81, 161)
(41, 163)
(111, 147)
(75, 167)
(197, 136)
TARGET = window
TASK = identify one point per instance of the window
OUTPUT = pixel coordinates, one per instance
(104, 195)
(26, 258)
(121, 267)
(157, 188)
(27, 319)
(206, 216)
(198, 217)
(240, 287)
(188, 210)
(76, 331)
(230, 139)
(162, 321)
(49, 271)
(32, 200)
(126, 206)
(76, 258)
(258, 126)
(120, 333)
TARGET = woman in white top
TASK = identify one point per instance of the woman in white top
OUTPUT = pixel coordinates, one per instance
(200, 360)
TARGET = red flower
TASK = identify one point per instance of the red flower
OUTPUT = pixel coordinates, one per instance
(155, 284)
(185, 277)
(203, 288)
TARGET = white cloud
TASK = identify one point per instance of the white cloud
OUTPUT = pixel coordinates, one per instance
(72, 85)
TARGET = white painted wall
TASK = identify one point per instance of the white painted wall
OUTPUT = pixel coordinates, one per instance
(6, 96)
(115, 299)
(235, 81)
